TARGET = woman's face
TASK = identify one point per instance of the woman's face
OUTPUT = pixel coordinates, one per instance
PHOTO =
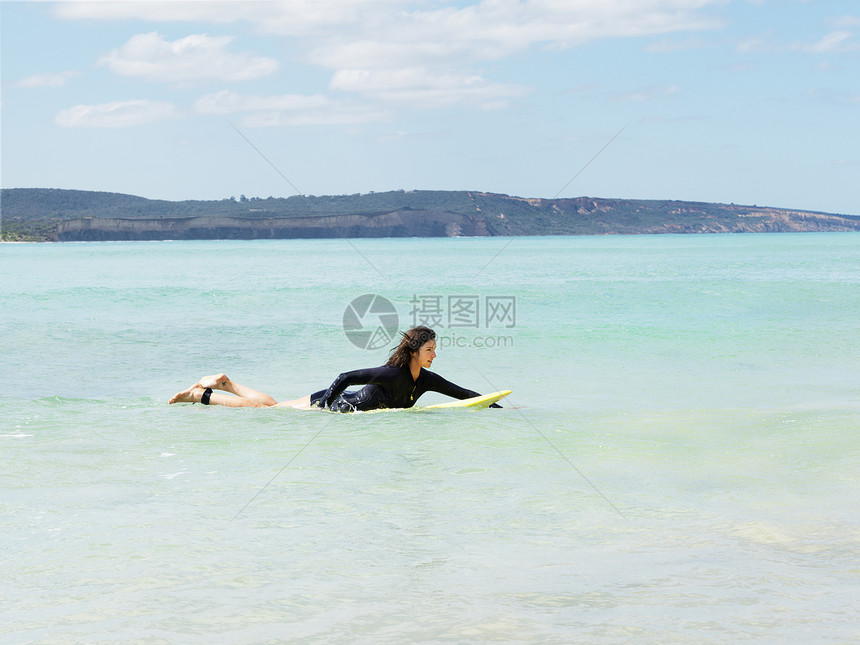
(426, 353)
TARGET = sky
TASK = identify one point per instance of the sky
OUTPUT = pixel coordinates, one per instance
(731, 101)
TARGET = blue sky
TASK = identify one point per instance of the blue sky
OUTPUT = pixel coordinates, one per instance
(751, 102)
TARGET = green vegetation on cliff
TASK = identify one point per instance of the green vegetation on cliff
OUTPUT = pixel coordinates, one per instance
(53, 214)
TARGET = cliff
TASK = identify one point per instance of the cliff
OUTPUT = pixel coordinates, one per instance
(404, 223)
(67, 215)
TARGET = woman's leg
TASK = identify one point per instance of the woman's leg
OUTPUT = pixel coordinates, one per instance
(303, 403)
(194, 394)
(245, 397)
(222, 382)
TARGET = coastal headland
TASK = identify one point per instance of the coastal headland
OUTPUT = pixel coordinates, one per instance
(36, 214)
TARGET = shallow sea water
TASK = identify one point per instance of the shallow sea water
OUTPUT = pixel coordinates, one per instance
(678, 462)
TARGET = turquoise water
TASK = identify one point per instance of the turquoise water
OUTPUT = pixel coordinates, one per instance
(678, 462)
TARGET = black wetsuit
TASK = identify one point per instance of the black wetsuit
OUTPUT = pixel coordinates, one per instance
(384, 387)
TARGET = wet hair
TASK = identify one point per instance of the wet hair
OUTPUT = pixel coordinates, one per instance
(410, 342)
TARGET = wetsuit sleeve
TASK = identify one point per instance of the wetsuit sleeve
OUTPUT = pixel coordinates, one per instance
(356, 377)
(436, 383)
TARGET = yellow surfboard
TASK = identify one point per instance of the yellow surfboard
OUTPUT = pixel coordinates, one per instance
(476, 402)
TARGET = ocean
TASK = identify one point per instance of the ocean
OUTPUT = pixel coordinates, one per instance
(678, 461)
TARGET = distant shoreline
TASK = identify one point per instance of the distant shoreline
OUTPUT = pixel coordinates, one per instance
(44, 215)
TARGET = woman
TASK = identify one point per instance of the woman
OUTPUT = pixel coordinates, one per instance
(397, 384)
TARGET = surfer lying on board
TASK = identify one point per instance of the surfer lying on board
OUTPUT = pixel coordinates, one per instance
(397, 384)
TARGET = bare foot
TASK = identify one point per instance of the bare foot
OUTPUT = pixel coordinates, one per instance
(217, 382)
(191, 395)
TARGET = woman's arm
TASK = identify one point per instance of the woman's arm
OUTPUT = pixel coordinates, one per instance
(436, 383)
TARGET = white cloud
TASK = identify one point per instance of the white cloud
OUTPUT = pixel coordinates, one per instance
(287, 110)
(306, 18)
(157, 11)
(227, 102)
(188, 60)
(118, 114)
(846, 22)
(425, 56)
(757, 44)
(335, 114)
(388, 33)
(47, 80)
(832, 42)
(422, 52)
(494, 29)
(424, 88)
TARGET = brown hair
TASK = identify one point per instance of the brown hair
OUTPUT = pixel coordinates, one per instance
(410, 342)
